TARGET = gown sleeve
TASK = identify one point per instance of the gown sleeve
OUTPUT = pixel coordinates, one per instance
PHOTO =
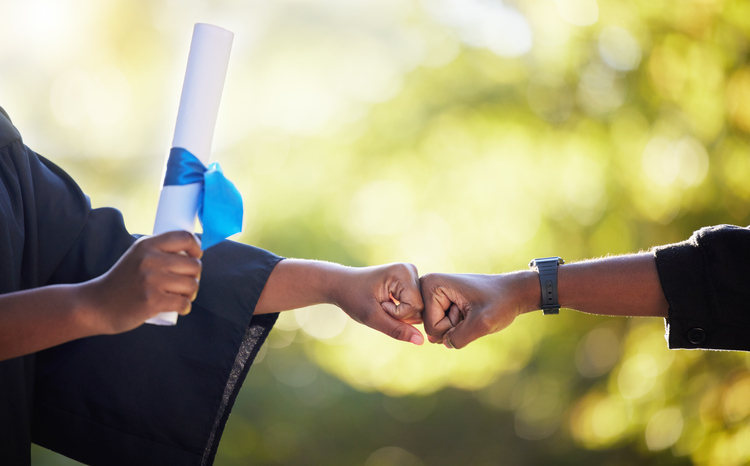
(706, 280)
(155, 395)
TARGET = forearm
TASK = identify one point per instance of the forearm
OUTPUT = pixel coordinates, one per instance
(296, 283)
(40, 318)
(384, 297)
(617, 286)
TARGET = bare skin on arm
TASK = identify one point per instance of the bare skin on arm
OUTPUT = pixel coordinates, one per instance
(151, 277)
(385, 297)
(460, 308)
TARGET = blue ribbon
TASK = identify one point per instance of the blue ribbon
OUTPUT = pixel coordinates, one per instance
(220, 204)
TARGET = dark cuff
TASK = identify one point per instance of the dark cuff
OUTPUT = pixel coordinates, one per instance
(703, 280)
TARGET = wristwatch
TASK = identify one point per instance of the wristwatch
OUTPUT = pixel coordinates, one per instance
(547, 267)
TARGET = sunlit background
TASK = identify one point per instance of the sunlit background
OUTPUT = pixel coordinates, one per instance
(461, 136)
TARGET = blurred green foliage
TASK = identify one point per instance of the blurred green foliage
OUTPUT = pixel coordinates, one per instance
(460, 136)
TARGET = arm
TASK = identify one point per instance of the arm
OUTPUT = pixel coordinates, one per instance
(615, 286)
(40, 318)
(363, 293)
(150, 278)
(478, 305)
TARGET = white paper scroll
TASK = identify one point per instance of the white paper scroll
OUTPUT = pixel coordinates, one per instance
(194, 131)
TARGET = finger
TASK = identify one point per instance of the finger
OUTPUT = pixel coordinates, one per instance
(186, 310)
(402, 311)
(178, 241)
(406, 293)
(466, 331)
(391, 308)
(436, 302)
(182, 285)
(454, 315)
(179, 264)
(394, 328)
(174, 303)
(408, 307)
(435, 339)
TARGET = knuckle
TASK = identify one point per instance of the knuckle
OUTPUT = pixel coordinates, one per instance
(197, 266)
(406, 269)
(181, 235)
(397, 332)
(143, 240)
(151, 283)
(429, 280)
(190, 239)
(151, 298)
(148, 241)
(396, 269)
(141, 245)
(417, 306)
(148, 262)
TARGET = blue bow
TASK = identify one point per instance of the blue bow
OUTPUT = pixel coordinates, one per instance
(220, 204)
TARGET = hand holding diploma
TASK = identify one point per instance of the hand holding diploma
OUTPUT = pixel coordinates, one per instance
(156, 274)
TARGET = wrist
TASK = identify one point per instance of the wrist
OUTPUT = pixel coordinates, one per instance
(526, 289)
(85, 310)
(336, 281)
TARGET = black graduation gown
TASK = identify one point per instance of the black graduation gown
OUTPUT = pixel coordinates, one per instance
(152, 396)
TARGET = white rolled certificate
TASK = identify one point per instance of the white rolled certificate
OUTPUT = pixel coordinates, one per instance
(194, 131)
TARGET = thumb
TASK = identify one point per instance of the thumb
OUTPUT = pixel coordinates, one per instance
(395, 328)
(178, 241)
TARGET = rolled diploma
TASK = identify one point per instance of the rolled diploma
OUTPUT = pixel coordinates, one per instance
(194, 131)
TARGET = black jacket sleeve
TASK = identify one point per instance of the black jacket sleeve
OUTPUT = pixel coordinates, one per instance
(152, 396)
(706, 280)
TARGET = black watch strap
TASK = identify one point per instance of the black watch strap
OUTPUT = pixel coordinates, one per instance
(547, 267)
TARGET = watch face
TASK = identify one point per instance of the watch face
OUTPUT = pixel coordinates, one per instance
(542, 260)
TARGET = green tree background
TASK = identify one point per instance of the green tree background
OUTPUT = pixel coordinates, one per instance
(461, 136)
